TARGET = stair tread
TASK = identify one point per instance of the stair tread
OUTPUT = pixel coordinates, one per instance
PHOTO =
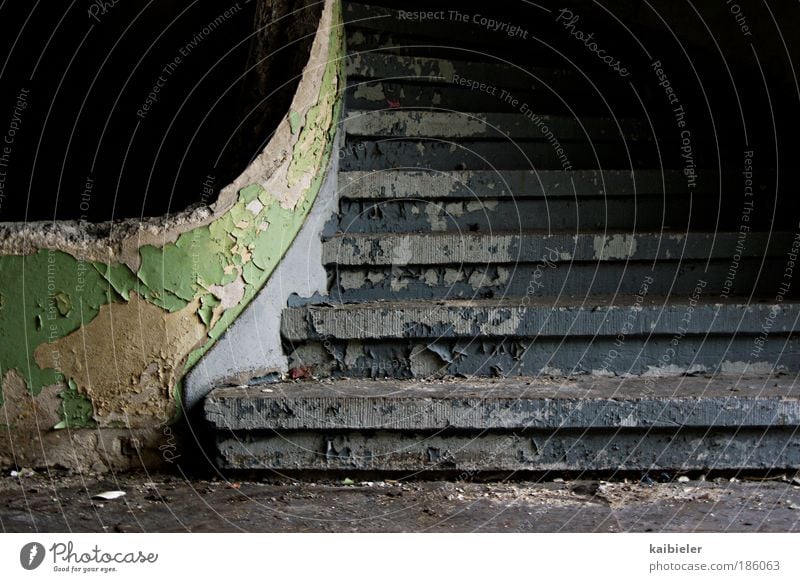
(509, 403)
(439, 248)
(380, 65)
(399, 183)
(539, 317)
(595, 302)
(490, 125)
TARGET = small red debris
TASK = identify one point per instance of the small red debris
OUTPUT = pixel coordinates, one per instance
(299, 373)
(393, 104)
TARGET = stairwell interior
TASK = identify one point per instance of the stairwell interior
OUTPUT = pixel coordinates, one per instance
(562, 244)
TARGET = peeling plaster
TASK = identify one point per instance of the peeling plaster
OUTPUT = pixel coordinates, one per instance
(21, 409)
(116, 316)
(128, 358)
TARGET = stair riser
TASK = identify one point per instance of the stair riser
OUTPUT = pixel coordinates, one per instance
(492, 126)
(552, 279)
(512, 357)
(608, 403)
(399, 250)
(379, 66)
(367, 95)
(517, 185)
(695, 449)
(372, 155)
(508, 215)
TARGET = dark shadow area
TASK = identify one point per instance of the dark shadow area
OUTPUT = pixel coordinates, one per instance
(715, 80)
(114, 110)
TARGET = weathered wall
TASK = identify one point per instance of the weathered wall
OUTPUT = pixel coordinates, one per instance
(99, 324)
(252, 346)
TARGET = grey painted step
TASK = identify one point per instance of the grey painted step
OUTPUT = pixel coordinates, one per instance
(386, 66)
(536, 317)
(684, 449)
(509, 404)
(396, 153)
(533, 247)
(483, 356)
(367, 95)
(491, 215)
(457, 125)
(550, 278)
(468, 184)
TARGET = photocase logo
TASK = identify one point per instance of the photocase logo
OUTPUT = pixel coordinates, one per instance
(31, 555)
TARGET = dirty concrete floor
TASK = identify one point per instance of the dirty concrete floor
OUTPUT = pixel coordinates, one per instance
(61, 502)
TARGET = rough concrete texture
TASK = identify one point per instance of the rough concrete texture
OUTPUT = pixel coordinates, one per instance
(373, 65)
(653, 356)
(485, 404)
(456, 125)
(492, 215)
(378, 154)
(538, 317)
(509, 184)
(370, 94)
(687, 449)
(114, 315)
(58, 502)
(551, 278)
(454, 248)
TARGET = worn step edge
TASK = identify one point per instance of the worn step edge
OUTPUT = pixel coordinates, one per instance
(565, 450)
(509, 404)
(372, 94)
(537, 317)
(385, 66)
(493, 248)
(457, 125)
(517, 184)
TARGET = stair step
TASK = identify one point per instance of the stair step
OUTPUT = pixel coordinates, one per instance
(532, 247)
(509, 404)
(366, 95)
(590, 214)
(549, 278)
(535, 425)
(537, 317)
(372, 154)
(457, 125)
(545, 184)
(495, 77)
(603, 355)
(564, 451)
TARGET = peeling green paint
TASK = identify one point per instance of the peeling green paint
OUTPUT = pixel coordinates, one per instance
(251, 192)
(295, 121)
(76, 409)
(50, 294)
(206, 311)
(38, 288)
(121, 279)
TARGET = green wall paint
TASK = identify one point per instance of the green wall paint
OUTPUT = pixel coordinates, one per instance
(50, 294)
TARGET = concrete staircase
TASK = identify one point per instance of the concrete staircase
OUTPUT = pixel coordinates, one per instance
(520, 280)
